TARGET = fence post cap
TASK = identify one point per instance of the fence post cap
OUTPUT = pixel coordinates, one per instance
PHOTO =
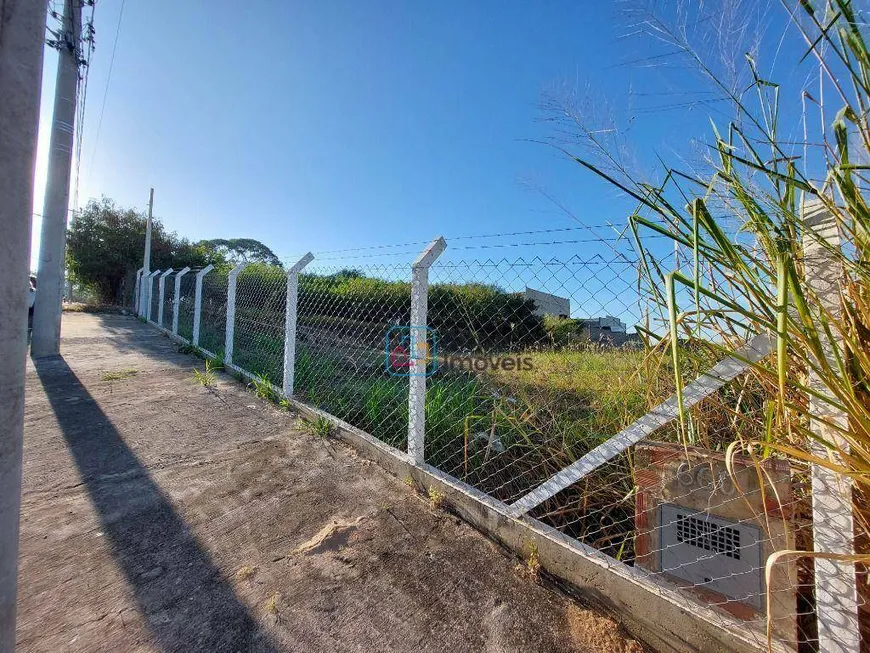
(433, 251)
(235, 271)
(301, 263)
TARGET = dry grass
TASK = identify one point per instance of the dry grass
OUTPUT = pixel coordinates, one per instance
(245, 573)
(272, 603)
(531, 568)
(80, 307)
(436, 498)
(118, 375)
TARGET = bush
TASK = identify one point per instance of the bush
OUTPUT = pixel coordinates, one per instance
(467, 317)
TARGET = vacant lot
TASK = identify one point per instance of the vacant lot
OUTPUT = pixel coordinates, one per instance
(162, 515)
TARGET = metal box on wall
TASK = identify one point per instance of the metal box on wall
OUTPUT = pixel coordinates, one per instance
(713, 537)
(718, 554)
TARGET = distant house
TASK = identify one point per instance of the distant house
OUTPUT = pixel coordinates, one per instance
(547, 304)
(599, 326)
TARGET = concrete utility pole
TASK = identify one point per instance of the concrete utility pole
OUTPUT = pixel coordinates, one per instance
(143, 290)
(50, 276)
(22, 39)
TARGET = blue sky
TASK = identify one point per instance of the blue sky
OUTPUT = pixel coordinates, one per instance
(341, 124)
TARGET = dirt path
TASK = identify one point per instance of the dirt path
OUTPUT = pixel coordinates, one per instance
(159, 515)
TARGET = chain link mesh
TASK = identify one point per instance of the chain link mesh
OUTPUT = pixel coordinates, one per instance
(345, 316)
(186, 299)
(213, 312)
(154, 298)
(258, 338)
(531, 364)
(536, 366)
(165, 319)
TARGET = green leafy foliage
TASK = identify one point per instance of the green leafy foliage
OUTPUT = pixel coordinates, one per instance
(240, 250)
(105, 245)
(745, 228)
(470, 317)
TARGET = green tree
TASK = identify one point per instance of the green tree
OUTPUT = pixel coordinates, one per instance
(105, 245)
(241, 250)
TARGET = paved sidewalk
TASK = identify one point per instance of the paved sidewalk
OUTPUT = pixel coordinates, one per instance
(160, 515)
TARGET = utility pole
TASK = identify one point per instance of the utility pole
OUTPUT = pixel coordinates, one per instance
(50, 276)
(143, 291)
(22, 25)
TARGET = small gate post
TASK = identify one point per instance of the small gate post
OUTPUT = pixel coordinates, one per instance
(175, 299)
(418, 328)
(161, 284)
(137, 298)
(197, 303)
(833, 527)
(290, 322)
(231, 312)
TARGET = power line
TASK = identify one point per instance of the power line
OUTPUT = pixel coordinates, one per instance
(39, 215)
(85, 62)
(106, 91)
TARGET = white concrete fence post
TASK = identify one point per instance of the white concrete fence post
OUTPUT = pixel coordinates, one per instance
(161, 284)
(231, 312)
(419, 352)
(140, 299)
(175, 299)
(290, 322)
(137, 293)
(197, 304)
(149, 309)
(833, 526)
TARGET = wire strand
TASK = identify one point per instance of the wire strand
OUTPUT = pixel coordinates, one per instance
(106, 90)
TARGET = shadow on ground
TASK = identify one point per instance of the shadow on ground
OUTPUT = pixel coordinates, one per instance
(188, 605)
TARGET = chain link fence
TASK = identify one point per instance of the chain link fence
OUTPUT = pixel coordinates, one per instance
(536, 364)
(539, 382)
(345, 317)
(258, 338)
(154, 298)
(167, 308)
(187, 301)
(211, 335)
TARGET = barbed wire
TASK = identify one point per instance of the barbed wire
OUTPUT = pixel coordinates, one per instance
(551, 243)
(465, 237)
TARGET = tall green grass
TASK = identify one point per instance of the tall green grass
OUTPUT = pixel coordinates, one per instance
(740, 282)
(733, 282)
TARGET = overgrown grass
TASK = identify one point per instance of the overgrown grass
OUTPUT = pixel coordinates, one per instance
(263, 389)
(208, 375)
(750, 257)
(319, 426)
